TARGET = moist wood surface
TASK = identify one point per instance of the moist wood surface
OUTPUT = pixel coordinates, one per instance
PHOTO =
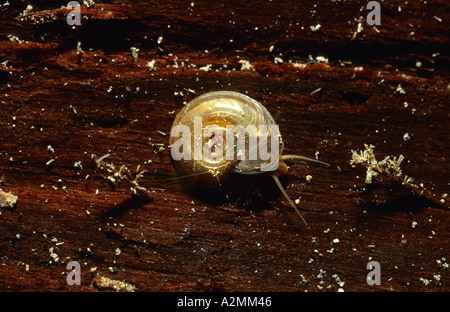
(81, 91)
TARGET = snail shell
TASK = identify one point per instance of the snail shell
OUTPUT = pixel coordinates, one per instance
(222, 109)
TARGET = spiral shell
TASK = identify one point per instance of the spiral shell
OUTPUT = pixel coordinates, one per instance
(224, 112)
(218, 111)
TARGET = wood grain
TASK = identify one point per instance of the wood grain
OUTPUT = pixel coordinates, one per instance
(80, 91)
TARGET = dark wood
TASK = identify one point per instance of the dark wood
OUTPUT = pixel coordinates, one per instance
(99, 100)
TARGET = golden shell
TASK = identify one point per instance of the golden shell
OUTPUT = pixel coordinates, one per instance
(221, 109)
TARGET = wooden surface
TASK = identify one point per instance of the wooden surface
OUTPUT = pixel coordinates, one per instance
(378, 84)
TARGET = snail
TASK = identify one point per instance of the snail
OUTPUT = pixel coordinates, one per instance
(224, 132)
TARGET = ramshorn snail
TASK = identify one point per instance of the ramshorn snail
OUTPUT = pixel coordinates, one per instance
(225, 132)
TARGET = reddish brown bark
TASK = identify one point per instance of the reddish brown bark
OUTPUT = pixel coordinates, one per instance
(377, 85)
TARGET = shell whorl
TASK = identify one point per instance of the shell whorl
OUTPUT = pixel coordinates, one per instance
(218, 110)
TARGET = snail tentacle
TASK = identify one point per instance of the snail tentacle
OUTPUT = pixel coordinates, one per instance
(284, 157)
(283, 191)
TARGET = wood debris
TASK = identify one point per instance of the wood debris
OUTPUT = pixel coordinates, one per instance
(7, 199)
(103, 282)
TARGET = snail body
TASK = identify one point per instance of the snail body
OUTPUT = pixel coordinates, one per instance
(224, 132)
